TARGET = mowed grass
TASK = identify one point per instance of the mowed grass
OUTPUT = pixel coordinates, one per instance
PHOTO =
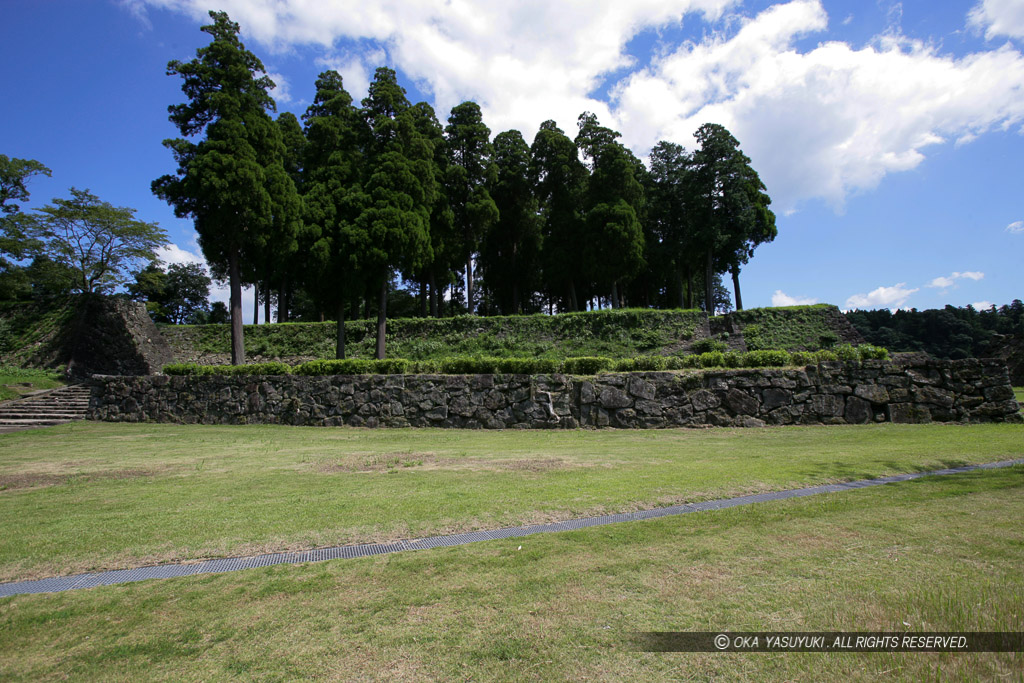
(939, 553)
(1018, 393)
(90, 496)
(16, 382)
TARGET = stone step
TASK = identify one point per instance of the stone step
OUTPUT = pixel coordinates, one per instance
(41, 414)
(24, 422)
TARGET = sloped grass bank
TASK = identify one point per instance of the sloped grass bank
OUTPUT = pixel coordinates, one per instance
(91, 496)
(16, 382)
(936, 554)
(34, 334)
(619, 333)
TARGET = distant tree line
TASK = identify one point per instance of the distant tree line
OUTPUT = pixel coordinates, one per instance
(949, 332)
(328, 215)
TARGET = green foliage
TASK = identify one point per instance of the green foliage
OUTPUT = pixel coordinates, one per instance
(587, 365)
(789, 328)
(618, 333)
(949, 332)
(766, 359)
(642, 364)
(99, 242)
(272, 368)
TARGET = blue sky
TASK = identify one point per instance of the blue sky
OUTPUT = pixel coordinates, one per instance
(889, 134)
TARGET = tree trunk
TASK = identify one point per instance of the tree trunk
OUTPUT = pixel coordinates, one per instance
(255, 304)
(266, 306)
(615, 295)
(339, 349)
(423, 298)
(382, 311)
(237, 333)
(469, 284)
(736, 287)
(682, 288)
(572, 296)
(709, 284)
(433, 294)
(689, 287)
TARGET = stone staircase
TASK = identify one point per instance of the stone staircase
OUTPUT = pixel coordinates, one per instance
(45, 408)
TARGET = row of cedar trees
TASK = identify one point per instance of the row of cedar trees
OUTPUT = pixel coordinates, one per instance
(334, 206)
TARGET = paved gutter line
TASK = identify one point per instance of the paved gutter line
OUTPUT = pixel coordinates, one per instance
(230, 564)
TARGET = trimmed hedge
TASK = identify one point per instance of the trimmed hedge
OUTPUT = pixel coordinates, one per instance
(585, 365)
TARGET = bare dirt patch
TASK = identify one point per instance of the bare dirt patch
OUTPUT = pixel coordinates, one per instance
(28, 480)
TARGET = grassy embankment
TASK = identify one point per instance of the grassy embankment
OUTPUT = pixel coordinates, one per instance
(940, 554)
(16, 382)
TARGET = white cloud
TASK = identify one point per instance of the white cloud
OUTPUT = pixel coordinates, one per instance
(883, 297)
(1015, 227)
(356, 71)
(172, 253)
(282, 91)
(822, 123)
(998, 18)
(982, 305)
(948, 281)
(830, 121)
(941, 282)
(780, 298)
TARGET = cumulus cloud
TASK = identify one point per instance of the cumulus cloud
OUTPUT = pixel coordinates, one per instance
(1015, 227)
(946, 282)
(998, 18)
(282, 91)
(780, 298)
(982, 305)
(883, 297)
(172, 253)
(830, 121)
(822, 123)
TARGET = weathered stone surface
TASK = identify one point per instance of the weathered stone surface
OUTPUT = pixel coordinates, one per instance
(741, 402)
(612, 397)
(871, 392)
(858, 411)
(704, 400)
(837, 393)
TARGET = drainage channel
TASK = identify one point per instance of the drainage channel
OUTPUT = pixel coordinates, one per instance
(231, 564)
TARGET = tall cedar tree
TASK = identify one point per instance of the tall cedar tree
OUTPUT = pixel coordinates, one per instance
(510, 252)
(232, 183)
(444, 242)
(670, 216)
(470, 172)
(393, 229)
(335, 134)
(560, 182)
(294, 156)
(614, 200)
(729, 203)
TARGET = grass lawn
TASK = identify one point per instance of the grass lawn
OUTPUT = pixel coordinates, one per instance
(940, 553)
(90, 496)
(1018, 393)
(16, 382)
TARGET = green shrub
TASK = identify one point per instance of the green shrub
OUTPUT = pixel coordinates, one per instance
(825, 355)
(707, 345)
(641, 364)
(869, 352)
(586, 365)
(847, 352)
(272, 368)
(803, 358)
(711, 359)
(527, 366)
(732, 359)
(766, 359)
(342, 366)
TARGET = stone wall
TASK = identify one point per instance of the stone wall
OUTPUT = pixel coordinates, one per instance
(829, 393)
